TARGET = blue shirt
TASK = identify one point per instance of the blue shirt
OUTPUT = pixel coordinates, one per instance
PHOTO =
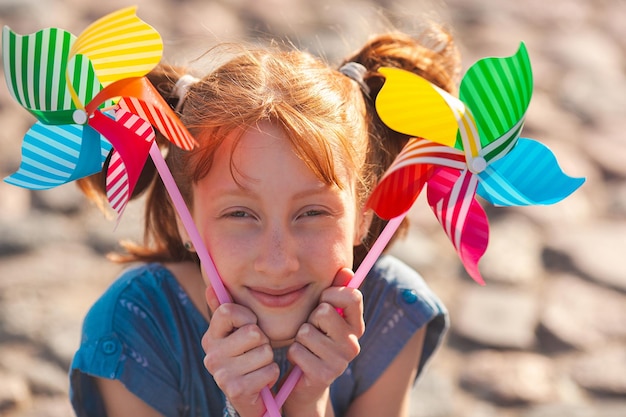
(145, 332)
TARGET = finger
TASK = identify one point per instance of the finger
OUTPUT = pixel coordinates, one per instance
(249, 362)
(245, 339)
(211, 298)
(343, 277)
(334, 327)
(350, 303)
(320, 357)
(244, 389)
(228, 317)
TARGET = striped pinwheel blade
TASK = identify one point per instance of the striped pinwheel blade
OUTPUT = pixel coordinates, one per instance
(498, 92)
(528, 175)
(35, 68)
(140, 97)
(451, 197)
(131, 137)
(411, 105)
(402, 183)
(163, 118)
(55, 155)
(120, 45)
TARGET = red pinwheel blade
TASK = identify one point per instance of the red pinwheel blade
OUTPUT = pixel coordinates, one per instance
(131, 137)
(451, 197)
(405, 178)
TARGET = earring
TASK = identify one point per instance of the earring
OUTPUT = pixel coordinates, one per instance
(188, 245)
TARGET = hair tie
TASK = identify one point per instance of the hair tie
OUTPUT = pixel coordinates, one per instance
(182, 87)
(356, 72)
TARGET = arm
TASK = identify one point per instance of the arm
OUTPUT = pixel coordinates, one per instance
(120, 402)
(391, 393)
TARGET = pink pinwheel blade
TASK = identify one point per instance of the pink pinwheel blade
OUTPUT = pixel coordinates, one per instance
(131, 137)
(451, 197)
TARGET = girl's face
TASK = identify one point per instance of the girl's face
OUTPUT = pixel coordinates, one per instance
(277, 234)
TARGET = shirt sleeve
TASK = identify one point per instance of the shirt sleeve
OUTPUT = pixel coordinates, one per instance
(126, 338)
(397, 303)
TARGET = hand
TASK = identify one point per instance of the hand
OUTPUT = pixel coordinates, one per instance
(239, 356)
(325, 345)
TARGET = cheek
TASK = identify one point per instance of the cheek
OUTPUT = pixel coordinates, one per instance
(332, 251)
(229, 252)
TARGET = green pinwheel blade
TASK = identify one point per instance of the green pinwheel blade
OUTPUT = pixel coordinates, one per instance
(498, 91)
(35, 68)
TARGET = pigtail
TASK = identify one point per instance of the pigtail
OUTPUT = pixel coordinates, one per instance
(432, 55)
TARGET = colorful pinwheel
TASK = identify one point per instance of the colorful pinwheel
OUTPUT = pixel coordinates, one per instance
(466, 146)
(69, 84)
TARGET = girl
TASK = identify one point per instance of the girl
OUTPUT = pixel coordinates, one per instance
(289, 150)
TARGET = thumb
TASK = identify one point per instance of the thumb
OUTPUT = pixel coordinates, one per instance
(343, 277)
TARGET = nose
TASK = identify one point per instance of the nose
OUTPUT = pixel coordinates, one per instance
(277, 256)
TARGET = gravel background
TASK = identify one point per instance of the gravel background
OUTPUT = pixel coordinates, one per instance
(545, 337)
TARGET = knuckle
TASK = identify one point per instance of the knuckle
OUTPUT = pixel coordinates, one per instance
(355, 347)
(211, 361)
(267, 354)
(253, 333)
(304, 332)
(326, 375)
(234, 389)
(356, 296)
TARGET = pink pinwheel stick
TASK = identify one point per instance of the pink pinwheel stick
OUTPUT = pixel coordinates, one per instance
(378, 248)
(356, 281)
(205, 258)
(190, 226)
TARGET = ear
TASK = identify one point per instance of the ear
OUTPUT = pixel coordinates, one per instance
(182, 232)
(364, 221)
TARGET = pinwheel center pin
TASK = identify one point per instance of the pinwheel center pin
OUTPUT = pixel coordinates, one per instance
(79, 116)
(478, 165)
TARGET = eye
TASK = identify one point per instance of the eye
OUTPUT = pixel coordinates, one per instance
(311, 213)
(237, 214)
(314, 213)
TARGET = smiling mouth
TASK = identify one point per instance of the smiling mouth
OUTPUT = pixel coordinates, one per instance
(278, 298)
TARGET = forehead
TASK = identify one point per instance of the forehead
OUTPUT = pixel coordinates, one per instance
(323, 158)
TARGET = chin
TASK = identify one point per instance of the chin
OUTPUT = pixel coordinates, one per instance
(279, 339)
(281, 334)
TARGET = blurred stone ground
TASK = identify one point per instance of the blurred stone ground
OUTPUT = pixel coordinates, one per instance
(545, 337)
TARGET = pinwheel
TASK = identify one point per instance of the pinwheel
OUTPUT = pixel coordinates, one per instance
(53, 74)
(466, 146)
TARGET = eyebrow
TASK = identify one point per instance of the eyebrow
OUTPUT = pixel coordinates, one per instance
(241, 190)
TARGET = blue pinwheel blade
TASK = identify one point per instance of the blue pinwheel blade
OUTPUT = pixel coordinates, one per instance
(53, 155)
(528, 175)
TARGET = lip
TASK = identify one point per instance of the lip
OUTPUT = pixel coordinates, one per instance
(278, 297)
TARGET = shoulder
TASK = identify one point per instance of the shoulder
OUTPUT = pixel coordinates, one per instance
(137, 307)
(143, 284)
(392, 283)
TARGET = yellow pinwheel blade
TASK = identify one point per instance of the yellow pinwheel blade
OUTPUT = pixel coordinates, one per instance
(412, 105)
(120, 45)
